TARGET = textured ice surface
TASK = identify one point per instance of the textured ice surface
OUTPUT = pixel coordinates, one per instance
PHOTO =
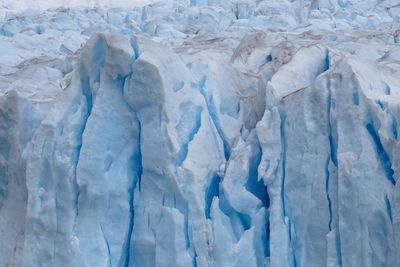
(22, 5)
(201, 133)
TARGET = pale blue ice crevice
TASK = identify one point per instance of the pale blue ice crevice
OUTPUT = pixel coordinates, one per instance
(137, 171)
(212, 110)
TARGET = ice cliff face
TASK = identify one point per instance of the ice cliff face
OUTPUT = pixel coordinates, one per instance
(201, 134)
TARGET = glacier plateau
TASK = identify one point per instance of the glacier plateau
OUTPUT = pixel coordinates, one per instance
(201, 133)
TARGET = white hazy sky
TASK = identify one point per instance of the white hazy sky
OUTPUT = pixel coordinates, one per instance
(44, 4)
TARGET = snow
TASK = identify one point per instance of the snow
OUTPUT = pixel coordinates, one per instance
(200, 133)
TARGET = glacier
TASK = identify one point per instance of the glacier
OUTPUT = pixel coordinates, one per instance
(200, 133)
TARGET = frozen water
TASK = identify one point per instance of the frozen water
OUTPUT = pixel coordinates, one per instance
(200, 133)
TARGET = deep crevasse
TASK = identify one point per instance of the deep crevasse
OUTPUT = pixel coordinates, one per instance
(201, 134)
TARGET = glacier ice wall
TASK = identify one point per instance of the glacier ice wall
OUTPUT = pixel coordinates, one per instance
(201, 133)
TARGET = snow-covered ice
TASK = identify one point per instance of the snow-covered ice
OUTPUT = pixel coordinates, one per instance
(200, 133)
